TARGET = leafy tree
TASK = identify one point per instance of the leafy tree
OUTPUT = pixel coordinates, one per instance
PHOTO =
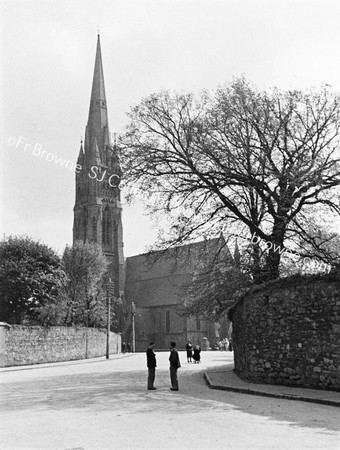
(216, 281)
(238, 159)
(53, 313)
(212, 292)
(85, 291)
(31, 279)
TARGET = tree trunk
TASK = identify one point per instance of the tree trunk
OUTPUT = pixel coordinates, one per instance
(256, 270)
(276, 248)
(271, 268)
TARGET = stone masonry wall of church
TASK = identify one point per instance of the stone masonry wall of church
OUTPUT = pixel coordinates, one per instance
(151, 325)
(289, 335)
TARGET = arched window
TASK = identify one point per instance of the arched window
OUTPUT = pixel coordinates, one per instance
(167, 321)
(94, 229)
(85, 219)
(106, 227)
(198, 324)
(108, 230)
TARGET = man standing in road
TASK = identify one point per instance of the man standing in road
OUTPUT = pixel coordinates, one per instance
(151, 363)
(174, 365)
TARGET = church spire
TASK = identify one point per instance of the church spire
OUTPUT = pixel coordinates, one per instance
(98, 87)
(97, 125)
(237, 255)
(80, 160)
(97, 209)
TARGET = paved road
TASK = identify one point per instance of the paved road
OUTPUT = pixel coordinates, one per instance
(105, 405)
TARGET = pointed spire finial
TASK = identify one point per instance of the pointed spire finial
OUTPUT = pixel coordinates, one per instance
(237, 255)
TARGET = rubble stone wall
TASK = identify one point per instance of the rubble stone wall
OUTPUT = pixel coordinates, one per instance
(36, 345)
(289, 334)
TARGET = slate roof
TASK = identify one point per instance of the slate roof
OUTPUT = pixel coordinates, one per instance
(160, 278)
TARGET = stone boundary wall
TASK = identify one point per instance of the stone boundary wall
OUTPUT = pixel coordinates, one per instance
(289, 334)
(37, 345)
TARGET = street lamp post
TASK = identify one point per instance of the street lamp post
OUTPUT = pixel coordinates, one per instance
(110, 292)
(133, 312)
(108, 329)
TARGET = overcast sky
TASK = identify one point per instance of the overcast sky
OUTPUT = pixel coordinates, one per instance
(48, 51)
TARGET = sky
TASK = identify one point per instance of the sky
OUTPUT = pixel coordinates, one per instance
(47, 60)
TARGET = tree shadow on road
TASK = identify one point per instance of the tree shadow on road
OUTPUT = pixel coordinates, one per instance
(127, 391)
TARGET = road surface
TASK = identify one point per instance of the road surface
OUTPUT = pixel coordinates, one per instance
(105, 405)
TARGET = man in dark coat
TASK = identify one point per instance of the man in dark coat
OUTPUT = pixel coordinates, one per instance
(174, 365)
(151, 363)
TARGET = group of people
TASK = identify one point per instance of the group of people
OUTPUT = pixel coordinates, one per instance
(225, 344)
(174, 366)
(193, 353)
(126, 347)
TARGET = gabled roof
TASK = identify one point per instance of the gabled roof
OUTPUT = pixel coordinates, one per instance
(161, 278)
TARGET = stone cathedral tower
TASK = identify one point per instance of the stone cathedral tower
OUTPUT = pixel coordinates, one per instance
(97, 209)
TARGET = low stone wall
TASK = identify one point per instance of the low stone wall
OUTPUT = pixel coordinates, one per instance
(36, 345)
(288, 333)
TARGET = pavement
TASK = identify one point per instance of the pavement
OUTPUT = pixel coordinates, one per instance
(225, 378)
(104, 404)
(64, 363)
(222, 378)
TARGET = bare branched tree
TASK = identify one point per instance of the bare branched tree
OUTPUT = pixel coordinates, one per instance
(238, 158)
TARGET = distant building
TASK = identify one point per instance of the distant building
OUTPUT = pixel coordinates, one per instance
(155, 282)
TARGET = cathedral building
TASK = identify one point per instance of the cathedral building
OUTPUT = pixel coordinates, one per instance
(155, 282)
(158, 282)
